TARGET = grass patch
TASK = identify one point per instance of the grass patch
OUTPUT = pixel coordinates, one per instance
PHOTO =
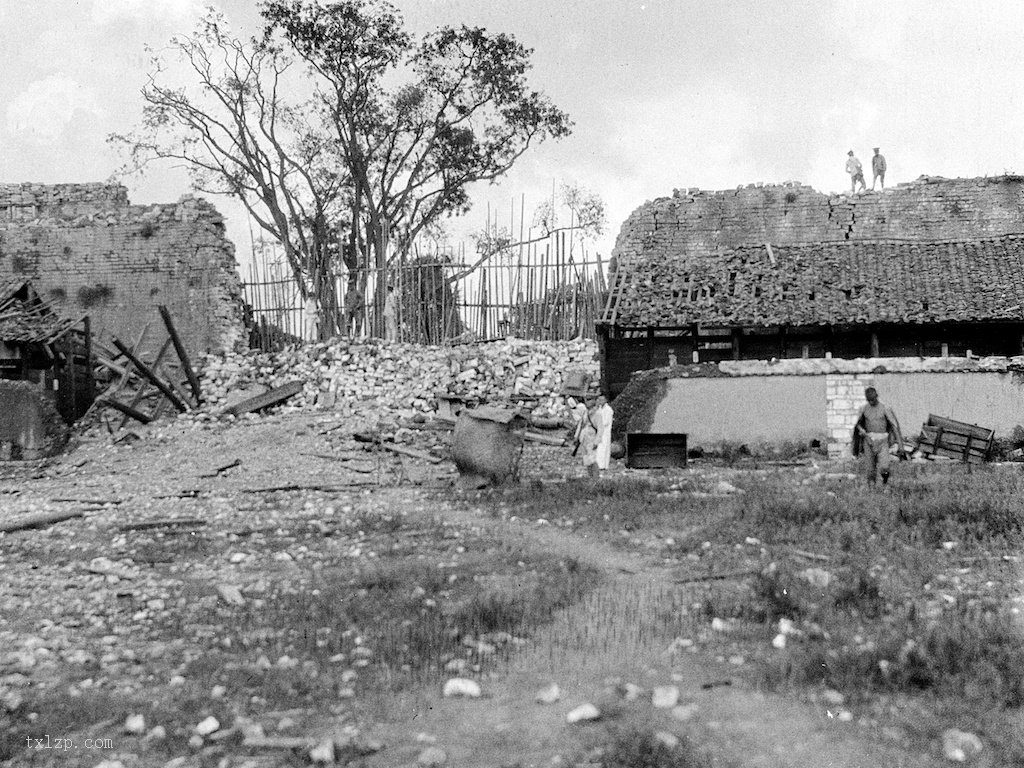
(642, 748)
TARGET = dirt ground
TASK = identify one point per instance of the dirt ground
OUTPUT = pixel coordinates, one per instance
(223, 616)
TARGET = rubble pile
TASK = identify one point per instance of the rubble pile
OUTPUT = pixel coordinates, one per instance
(406, 379)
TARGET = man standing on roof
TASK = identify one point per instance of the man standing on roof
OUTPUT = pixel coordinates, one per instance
(877, 428)
(877, 170)
(856, 171)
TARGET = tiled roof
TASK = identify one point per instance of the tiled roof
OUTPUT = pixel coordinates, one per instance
(842, 282)
(26, 318)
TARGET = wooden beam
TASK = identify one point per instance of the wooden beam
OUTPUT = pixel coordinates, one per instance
(735, 343)
(127, 410)
(186, 365)
(145, 370)
(874, 343)
(267, 399)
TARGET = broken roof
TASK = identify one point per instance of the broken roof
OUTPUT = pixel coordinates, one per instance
(827, 283)
(25, 318)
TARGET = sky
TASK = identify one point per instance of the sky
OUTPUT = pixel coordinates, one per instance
(664, 94)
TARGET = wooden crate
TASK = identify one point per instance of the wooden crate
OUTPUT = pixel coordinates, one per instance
(647, 450)
(955, 440)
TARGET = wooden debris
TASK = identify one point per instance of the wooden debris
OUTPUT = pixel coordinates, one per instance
(296, 487)
(809, 555)
(171, 522)
(231, 594)
(715, 684)
(265, 400)
(536, 437)
(223, 468)
(717, 577)
(411, 452)
(95, 502)
(279, 742)
(148, 373)
(39, 520)
(127, 410)
(179, 348)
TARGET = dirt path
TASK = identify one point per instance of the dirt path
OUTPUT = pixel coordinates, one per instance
(587, 657)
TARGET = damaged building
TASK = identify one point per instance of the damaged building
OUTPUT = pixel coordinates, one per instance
(80, 265)
(88, 251)
(808, 298)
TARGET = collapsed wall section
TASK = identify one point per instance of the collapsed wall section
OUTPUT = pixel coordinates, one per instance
(88, 251)
(694, 221)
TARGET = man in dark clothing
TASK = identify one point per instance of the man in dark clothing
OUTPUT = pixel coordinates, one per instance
(878, 169)
(877, 428)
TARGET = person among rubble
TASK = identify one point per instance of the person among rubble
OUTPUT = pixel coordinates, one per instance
(878, 169)
(856, 171)
(602, 417)
(876, 430)
(585, 438)
(353, 310)
(391, 315)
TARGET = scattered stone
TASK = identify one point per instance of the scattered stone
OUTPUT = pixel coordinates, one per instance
(135, 725)
(156, 733)
(779, 641)
(630, 691)
(845, 716)
(432, 756)
(323, 753)
(461, 686)
(685, 712)
(583, 713)
(833, 697)
(207, 726)
(665, 696)
(229, 593)
(110, 764)
(195, 741)
(218, 691)
(726, 488)
(816, 577)
(960, 746)
(237, 557)
(176, 681)
(670, 740)
(549, 694)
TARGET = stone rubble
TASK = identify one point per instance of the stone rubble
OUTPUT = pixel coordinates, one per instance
(351, 375)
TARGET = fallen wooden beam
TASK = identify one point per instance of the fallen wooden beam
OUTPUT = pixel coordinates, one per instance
(296, 487)
(411, 452)
(127, 410)
(186, 365)
(223, 468)
(148, 373)
(278, 742)
(39, 520)
(717, 577)
(96, 502)
(171, 522)
(536, 437)
(267, 399)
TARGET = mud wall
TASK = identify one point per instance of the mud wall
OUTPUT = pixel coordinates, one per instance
(802, 400)
(89, 251)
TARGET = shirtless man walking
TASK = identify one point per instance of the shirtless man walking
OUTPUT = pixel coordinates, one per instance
(877, 428)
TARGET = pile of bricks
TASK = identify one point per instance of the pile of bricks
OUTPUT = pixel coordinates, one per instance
(406, 379)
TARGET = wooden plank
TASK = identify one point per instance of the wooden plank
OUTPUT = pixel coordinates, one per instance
(179, 348)
(127, 410)
(959, 426)
(146, 371)
(267, 399)
(39, 520)
(410, 452)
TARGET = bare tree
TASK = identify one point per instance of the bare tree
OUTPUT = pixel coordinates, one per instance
(461, 110)
(232, 127)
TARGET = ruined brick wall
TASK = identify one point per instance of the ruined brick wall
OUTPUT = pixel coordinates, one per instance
(89, 251)
(693, 220)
